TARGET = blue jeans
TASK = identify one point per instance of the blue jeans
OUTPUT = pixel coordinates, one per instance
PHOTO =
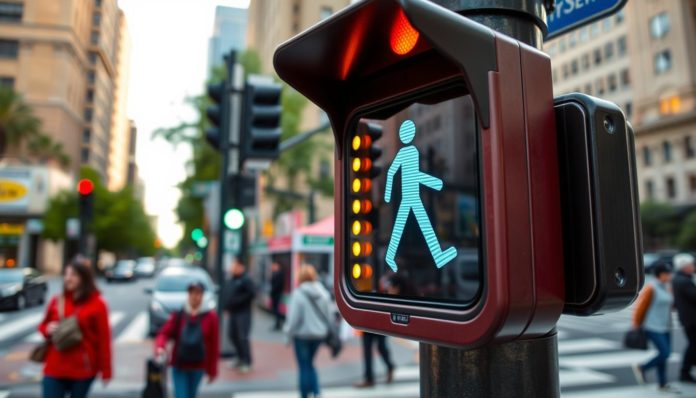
(662, 342)
(305, 350)
(60, 388)
(186, 382)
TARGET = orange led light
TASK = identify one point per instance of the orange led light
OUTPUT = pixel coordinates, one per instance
(403, 36)
(361, 227)
(362, 185)
(363, 206)
(366, 248)
(366, 271)
(357, 271)
(362, 164)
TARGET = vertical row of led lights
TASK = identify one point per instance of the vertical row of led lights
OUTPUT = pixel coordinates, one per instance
(363, 172)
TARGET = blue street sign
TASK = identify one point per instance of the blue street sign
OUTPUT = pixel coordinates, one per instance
(572, 14)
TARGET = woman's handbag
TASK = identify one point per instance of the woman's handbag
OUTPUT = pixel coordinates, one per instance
(636, 339)
(333, 339)
(68, 333)
(38, 353)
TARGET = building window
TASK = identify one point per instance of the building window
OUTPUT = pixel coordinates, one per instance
(667, 151)
(90, 77)
(621, 46)
(7, 81)
(566, 71)
(671, 188)
(689, 151)
(94, 38)
(692, 183)
(11, 12)
(663, 62)
(84, 155)
(88, 115)
(588, 89)
(609, 50)
(96, 19)
(594, 29)
(647, 156)
(625, 78)
(650, 189)
(90, 95)
(92, 57)
(97, 3)
(606, 24)
(611, 82)
(629, 109)
(9, 48)
(597, 56)
(86, 135)
(584, 35)
(600, 86)
(325, 12)
(620, 16)
(586, 61)
(572, 40)
(574, 67)
(659, 25)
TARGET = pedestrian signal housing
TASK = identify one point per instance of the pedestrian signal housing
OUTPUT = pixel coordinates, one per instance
(457, 238)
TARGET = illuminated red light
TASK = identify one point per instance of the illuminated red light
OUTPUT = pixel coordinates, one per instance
(403, 36)
(85, 187)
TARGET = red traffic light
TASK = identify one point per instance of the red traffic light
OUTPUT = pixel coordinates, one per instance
(85, 187)
(403, 36)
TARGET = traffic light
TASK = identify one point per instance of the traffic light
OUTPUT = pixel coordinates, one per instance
(470, 245)
(85, 190)
(261, 119)
(234, 219)
(363, 217)
(196, 234)
(216, 113)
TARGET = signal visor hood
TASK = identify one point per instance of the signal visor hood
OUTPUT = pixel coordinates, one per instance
(338, 62)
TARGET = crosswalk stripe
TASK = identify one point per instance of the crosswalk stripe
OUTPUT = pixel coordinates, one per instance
(4, 394)
(136, 330)
(611, 360)
(398, 390)
(647, 391)
(582, 377)
(20, 325)
(585, 345)
(114, 319)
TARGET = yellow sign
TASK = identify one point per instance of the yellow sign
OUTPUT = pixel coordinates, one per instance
(11, 229)
(11, 191)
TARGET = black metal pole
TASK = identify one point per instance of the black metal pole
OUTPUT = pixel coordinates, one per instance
(520, 369)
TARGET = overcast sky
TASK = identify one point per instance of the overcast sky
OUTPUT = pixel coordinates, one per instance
(168, 63)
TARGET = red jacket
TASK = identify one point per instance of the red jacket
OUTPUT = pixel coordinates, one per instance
(211, 340)
(90, 357)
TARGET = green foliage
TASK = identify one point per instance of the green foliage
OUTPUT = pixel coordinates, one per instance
(687, 236)
(659, 223)
(120, 223)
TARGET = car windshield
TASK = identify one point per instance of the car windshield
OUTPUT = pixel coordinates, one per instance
(179, 282)
(11, 276)
(649, 258)
(146, 261)
(124, 265)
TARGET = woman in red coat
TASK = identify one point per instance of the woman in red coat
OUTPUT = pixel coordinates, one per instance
(196, 348)
(70, 372)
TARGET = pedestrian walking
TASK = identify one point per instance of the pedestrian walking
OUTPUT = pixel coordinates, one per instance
(277, 289)
(685, 302)
(368, 342)
(307, 327)
(654, 315)
(240, 292)
(76, 327)
(196, 343)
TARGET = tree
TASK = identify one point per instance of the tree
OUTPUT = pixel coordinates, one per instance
(44, 149)
(17, 121)
(659, 223)
(687, 234)
(120, 223)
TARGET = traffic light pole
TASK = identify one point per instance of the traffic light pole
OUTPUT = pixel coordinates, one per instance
(524, 368)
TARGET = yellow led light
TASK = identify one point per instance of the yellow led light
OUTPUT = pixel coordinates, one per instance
(357, 271)
(356, 228)
(356, 249)
(356, 142)
(356, 164)
(356, 206)
(356, 185)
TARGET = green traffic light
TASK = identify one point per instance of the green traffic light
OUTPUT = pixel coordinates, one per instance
(202, 242)
(234, 219)
(197, 234)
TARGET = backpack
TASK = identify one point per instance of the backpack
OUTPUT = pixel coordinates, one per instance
(190, 347)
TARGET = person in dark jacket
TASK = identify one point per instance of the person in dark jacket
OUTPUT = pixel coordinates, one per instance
(240, 292)
(70, 372)
(277, 288)
(685, 302)
(196, 347)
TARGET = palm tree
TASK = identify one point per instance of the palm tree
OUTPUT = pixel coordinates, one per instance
(44, 149)
(17, 121)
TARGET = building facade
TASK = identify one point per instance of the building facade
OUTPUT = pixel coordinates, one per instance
(68, 58)
(643, 59)
(229, 32)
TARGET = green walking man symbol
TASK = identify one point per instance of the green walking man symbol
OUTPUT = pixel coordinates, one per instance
(408, 159)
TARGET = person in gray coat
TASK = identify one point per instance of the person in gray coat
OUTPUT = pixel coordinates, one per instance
(307, 326)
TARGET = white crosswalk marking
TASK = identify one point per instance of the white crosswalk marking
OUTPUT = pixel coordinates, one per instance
(4, 394)
(611, 360)
(582, 377)
(585, 345)
(114, 319)
(136, 330)
(23, 325)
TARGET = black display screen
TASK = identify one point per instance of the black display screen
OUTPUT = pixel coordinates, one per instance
(413, 198)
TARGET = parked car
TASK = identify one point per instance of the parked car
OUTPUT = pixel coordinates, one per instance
(145, 267)
(21, 287)
(650, 260)
(124, 270)
(169, 293)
